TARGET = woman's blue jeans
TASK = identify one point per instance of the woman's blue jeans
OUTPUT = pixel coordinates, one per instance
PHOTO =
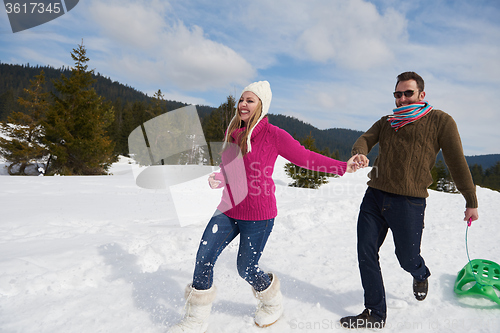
(405, 217)
(220, 231)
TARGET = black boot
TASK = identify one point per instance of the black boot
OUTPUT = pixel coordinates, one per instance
(363, 320)
(420, 289)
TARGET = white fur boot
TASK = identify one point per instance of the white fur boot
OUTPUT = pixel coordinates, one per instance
(270, 306)
(198, 307)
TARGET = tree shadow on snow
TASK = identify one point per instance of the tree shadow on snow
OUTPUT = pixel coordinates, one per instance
(156, 293)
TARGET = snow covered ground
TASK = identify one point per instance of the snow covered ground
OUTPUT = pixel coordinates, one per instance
(99, 254)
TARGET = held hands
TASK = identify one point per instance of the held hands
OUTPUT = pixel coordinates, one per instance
(356, 162)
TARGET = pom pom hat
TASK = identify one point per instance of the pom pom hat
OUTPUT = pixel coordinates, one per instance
(263, 90)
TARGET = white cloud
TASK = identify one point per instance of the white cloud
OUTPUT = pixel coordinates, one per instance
(353, 33)
(38, 58)
(136, 24)
(327, 104)
(477, 119)
(194, 61)
(148, 42)
(144, 41)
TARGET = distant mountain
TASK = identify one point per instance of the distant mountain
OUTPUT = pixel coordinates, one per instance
(341, 140)
(486, 161)
(334, 139)
(14, 78)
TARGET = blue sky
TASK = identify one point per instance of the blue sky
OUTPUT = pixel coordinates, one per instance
(331, 63)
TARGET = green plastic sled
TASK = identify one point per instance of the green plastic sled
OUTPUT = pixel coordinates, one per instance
(486, 277)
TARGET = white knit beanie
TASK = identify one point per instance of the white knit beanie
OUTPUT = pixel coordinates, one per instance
(263, 90)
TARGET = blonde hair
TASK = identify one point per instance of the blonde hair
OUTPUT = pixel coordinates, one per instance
(235, 124)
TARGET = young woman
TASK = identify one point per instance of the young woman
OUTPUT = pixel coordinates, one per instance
(248, 206)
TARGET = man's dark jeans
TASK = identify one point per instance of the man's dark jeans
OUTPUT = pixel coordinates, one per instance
(405, 217)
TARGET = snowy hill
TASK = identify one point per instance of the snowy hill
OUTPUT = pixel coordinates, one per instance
(99, 254)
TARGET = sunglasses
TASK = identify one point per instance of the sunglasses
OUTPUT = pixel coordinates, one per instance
(407, 93)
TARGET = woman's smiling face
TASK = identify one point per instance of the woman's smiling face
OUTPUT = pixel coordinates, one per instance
(247, 105)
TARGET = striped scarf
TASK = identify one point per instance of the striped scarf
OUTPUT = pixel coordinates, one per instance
(408, 114)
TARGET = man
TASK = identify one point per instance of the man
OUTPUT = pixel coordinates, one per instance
(409, 141)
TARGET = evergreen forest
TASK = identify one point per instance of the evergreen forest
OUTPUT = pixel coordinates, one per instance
(125, 108)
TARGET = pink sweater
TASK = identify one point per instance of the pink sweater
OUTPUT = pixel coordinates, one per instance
(248, 185)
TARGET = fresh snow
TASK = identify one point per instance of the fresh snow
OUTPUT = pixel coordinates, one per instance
(100, 254)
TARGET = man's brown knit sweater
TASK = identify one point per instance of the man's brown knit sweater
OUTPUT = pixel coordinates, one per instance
(406, 157)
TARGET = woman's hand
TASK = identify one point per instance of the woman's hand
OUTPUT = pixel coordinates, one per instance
(214, 183)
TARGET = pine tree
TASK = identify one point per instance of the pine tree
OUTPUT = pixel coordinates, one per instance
(489, 178)
(157, 106)
(24, 129)
(303, 177)
(76, 123)
(477, 174)
(442, 180)
(7, 103)
(215, 125)
(492, 177)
